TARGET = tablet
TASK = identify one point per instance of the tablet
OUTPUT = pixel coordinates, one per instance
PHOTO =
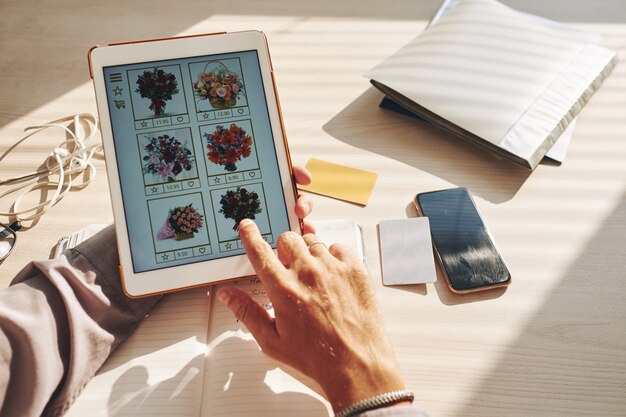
(194, 143)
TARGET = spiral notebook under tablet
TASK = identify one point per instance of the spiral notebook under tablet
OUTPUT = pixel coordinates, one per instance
(194, 143)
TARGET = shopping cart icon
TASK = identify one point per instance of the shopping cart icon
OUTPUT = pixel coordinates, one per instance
(120, 104)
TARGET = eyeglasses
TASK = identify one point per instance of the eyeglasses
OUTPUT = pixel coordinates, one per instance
(8, 238)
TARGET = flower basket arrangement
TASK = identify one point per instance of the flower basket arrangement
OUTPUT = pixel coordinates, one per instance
(240, 204)
(227, 146)
(166, 157)
(220, 86)
(158, 86)
(181, 223)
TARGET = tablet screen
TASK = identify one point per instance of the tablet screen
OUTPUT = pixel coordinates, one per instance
(195, 155)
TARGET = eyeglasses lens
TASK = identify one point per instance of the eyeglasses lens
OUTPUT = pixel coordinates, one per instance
(7, 240)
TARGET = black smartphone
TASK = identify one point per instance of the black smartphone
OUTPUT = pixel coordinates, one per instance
(464, 247)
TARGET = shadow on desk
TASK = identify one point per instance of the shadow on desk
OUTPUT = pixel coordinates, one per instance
(364, 125)
(232, 385)
(570, 359)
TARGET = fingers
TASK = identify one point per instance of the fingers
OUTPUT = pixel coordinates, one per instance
(304, 206)
(303, 176)
(250, 313)
(342, 252)
(291, 247)
(260, 254)
(307, 227)
(315, 245)
(319, 250)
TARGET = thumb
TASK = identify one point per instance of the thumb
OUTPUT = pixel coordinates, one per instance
(250, 313)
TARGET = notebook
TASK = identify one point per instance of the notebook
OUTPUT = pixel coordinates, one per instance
(192, 358)
(558, 151)
(496, 77)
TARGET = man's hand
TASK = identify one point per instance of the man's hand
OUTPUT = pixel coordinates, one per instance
(327, 325)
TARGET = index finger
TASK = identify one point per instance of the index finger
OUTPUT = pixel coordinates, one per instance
(260, 253)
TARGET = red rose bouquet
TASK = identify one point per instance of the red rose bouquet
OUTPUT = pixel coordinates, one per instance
(220, 87)
(157, 86)
(167, 157)
(181, 223)
(240, 204)
(227, 146)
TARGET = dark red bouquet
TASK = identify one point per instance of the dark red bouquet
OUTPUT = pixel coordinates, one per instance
(240, 204)
(227, 146)
(157, 86)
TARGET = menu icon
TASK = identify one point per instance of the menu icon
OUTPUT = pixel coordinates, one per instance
(115, 77)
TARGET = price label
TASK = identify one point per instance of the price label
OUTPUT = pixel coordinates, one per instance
(233, 177)
(173, 187)
(183, 253)
(163, 122)
(220, 114)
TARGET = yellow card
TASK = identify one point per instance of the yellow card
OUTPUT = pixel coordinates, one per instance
(339, 181)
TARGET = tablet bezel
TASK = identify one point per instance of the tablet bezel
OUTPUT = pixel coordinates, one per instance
(141, 284)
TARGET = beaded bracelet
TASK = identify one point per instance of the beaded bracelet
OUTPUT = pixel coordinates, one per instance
(375, 402)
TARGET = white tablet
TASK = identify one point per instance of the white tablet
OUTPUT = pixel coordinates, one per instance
(194, 143)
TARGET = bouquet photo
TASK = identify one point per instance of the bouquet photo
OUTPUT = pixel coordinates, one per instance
(181, 223)
(157, 86)
(167, 157)
(221, 87)
(240, 204)
(227, 146)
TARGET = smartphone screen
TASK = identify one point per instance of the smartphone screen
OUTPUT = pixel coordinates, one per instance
(466, 250)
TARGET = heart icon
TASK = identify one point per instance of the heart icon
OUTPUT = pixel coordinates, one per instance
(240, 111)
(252, 174)
(180, 119)
(190, 183)
(202, 250)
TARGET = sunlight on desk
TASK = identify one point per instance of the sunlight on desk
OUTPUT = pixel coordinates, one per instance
(553, 343)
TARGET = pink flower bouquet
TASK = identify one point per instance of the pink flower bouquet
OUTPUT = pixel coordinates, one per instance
(181, 223)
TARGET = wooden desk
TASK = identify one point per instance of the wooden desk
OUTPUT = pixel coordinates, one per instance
(553, 344)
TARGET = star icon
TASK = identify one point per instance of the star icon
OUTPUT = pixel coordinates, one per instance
(216, 180)
(118, 91)
(165, 257)
(144, 124)
(154, 189)
(228, 246)
(205, 116)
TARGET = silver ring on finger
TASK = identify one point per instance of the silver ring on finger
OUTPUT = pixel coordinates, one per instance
(317, 243)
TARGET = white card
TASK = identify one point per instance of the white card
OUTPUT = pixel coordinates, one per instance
(406, 251)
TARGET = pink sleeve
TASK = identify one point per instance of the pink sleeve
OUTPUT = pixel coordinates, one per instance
(59, 321)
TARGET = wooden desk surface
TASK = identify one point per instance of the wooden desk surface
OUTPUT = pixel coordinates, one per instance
(553, 344)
